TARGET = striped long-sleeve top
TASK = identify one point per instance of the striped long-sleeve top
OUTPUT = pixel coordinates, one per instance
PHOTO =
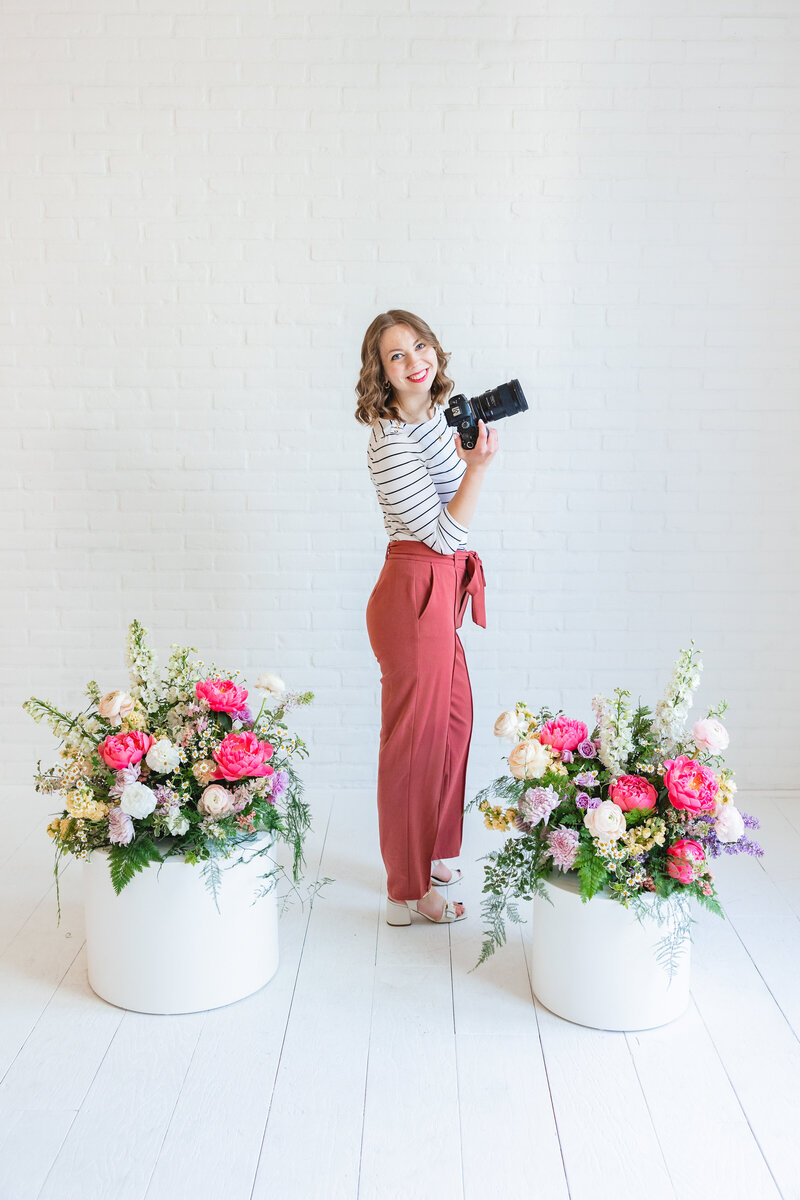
(416, 472)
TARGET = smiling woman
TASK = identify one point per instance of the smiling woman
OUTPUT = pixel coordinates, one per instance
(427, 487)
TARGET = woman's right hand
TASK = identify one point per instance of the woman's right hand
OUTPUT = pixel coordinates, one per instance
(485, 447)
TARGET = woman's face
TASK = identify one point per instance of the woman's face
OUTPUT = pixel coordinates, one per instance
(409, 362)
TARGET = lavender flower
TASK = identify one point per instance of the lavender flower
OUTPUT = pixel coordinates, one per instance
(120, 826)
(586, 779)
(562, 846)
(582, 800)
(244, 715)
(165, 796)
(587, 749)
(280, 782)
(567, 756)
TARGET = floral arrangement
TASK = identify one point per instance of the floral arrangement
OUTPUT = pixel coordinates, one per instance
(177, 765)
(640, 806)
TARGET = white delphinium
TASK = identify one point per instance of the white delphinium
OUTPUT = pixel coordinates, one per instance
(144, 673)
(614, 725)
(669, 722)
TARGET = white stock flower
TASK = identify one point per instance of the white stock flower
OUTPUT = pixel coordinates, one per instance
(137, 800)
(163, 756)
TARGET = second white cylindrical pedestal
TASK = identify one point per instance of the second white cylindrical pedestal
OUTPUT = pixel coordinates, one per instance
(161, 946)
(595, 964)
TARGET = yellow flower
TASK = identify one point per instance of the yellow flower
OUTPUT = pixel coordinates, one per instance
(82, 804)
(54, 828)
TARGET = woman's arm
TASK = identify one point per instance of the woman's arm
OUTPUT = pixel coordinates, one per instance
(462, 507)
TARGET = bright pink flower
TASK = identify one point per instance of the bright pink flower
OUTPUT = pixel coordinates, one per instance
(122, 749)
(221, 695)
(562, 733)
(690, 785)
(686, 860)
(632, 791)
(241, 755)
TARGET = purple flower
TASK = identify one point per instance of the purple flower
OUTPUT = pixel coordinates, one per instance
(244, 715)
(587, 749)
(567, 756)
(280, 781)
(586, 779)
(562, 846)
(120, 826)
(537, 803)
(165, 796)
(582, 800)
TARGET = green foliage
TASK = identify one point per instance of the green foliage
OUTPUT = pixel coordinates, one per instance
(125, 861)
(505, 788)
(591, 871)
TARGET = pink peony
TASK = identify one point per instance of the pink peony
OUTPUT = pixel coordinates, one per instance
(562, 733)
(123, 749)
(241, 755)
(221, 695)
(632, 791)
(690, 785)
(686, 860)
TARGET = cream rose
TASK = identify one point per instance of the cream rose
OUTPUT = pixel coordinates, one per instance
(137, 800)
(163, 756)
(607, 821)
(115, 706)
(529, 759)
(507, 725)
(216, 801)
(729, 825)
(271, 683)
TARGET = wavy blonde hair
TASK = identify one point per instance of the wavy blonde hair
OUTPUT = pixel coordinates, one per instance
(375, 398)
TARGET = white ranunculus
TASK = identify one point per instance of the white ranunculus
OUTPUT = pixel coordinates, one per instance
(507, 725)
(607, 821)
(729, 825)
(271, 683)
(115, 706)
(176, 822)
(710, 734)
(137, 800)
(529, 759)
(216, 801)
(163, 756)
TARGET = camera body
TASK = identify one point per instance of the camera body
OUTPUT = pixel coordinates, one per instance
(502, 401)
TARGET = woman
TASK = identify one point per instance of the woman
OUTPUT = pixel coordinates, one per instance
(428, 488)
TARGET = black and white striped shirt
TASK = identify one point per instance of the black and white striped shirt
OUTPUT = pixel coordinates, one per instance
(416, 472)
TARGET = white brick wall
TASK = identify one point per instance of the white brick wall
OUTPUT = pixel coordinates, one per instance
(205, 203)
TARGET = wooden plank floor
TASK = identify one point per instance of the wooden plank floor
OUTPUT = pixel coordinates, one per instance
(377, 1065)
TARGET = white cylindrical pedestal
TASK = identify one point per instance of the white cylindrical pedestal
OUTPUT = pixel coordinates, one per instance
(595, 964)
(161, 946)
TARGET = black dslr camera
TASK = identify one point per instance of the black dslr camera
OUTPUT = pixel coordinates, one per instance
(502, 401)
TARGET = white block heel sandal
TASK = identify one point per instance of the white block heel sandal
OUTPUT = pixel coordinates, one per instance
(455, 877)
(398, 912)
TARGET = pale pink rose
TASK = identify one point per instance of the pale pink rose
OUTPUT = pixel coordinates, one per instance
(115, 706)
(221, 695)
(120, 750)
(606, 822)
(710, 734)
(204, 771)
(216, 801)
(241, 755)
(529, 759)
(686, 858)
(690, 785)
(729, 825)
(632, 791)
(562, 733)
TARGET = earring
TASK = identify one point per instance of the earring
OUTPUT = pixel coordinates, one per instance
(386, 383)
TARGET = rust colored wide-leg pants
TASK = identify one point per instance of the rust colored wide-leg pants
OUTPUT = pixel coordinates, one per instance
(412, 616)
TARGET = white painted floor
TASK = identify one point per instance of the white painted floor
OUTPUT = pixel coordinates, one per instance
(375, 1065)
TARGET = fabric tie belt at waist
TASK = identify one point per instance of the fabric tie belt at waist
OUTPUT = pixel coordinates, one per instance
(470, 578)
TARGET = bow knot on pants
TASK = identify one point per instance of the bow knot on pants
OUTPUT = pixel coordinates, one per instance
(415, 608)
